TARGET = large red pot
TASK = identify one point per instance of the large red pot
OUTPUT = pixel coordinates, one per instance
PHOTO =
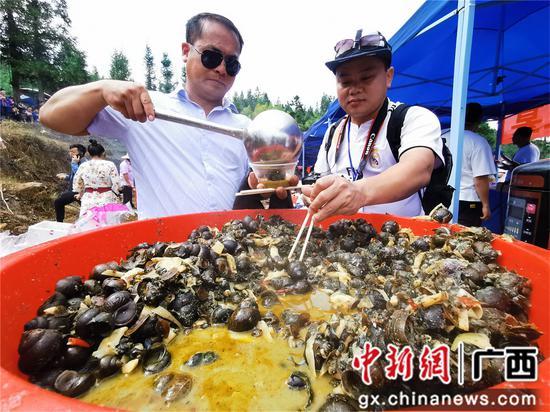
(28, 277)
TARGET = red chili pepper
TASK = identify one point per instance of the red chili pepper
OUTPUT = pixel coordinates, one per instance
(413, 304)
(78, 342)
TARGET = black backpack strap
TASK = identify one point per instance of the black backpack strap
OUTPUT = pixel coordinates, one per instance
(437, 191)
(395, 124)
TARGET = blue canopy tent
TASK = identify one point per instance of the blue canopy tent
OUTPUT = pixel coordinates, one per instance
(314, 136)
(490, 51)
(509, 64)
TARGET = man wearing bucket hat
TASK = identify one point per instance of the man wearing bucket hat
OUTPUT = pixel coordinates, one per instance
(178, 169)
(358, 168)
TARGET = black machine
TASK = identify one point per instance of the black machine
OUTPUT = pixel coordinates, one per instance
(528, 215)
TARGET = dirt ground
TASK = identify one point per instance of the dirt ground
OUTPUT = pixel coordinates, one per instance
(30, 158)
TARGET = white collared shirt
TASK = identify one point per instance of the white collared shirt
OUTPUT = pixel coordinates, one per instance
(527, 154)
(421, 128)
(180, 169)
(477, 161)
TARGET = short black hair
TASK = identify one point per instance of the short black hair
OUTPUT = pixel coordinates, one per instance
(95, 149)
(194, 26)
(474, 113)
(524, 132)
(81, 149)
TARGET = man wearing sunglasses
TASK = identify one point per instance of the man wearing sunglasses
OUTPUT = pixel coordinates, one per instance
(358, 167)
(177, 169)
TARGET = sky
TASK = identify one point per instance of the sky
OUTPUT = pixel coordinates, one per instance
(285, 42)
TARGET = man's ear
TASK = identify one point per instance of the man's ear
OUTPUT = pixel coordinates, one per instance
(185, 48)
(389, 76)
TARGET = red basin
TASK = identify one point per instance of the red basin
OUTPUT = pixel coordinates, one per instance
(28, 277)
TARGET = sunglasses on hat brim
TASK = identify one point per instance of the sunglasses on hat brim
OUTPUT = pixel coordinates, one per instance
(369, 41)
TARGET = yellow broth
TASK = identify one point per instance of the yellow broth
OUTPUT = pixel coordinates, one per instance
(250, 374)
(316, 304)
(273, 184)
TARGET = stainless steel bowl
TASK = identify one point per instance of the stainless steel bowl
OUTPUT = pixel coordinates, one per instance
(273, 137)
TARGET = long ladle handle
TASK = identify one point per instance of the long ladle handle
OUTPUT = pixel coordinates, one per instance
(201, 124)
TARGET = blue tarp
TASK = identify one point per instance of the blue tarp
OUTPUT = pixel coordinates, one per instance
(509, 68)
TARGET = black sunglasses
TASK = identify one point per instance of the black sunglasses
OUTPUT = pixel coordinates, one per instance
(212, 59)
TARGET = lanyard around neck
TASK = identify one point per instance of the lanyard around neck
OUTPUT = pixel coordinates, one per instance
(355, 172)
(369, 144)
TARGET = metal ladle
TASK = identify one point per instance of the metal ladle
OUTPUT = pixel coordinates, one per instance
(272, 137)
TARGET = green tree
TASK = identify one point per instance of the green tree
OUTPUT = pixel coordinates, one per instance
(35, 44)
(13, 45)
(251, 103)
(260, 107)
(489, 133)
(544, 147)
(326, 100)
(5, 78)
(166, 72)
(94, 75)
(71, 65)
(120, 68)
(41, 72)
(508, 150)
(297, 110)
(150, 78)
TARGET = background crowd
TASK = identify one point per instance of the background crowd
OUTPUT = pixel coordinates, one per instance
(18, 112)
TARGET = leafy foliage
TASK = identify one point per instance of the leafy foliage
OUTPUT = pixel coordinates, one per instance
(5, 78)
(120, 68)
(254, 102)
(94, 75)
(544, 147)
(490, 134)
(71, 63)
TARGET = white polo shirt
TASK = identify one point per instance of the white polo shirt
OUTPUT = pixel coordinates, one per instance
(421, 128)
(527, 154)
(126, 168)
(180, 169)
(477, 160)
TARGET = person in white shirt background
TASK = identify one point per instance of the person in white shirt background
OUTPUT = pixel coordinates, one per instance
(527, 151)
(127, 179)
(478, 167)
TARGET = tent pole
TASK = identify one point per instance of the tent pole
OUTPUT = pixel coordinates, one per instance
(464, 34)
(500, 130)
